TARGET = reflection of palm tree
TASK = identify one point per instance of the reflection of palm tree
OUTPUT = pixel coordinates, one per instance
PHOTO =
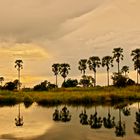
(137, 123)
(95, 121)
(109, 122)
(19, 119)
(83, 117)
(126, 111)
(63, 115)
(120, 127)
(56, 115)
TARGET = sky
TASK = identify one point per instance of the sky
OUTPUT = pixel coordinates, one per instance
(43, 32)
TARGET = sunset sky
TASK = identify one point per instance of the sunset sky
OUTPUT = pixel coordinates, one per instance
(43, 32)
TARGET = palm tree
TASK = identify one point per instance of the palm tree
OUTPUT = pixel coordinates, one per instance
(64, 70)
(125, 69)
(108, 62)
(1, 80)
(82, 65)
(19, 66)
(136, 58)
(118, 56)
(55, 69)
(94, 63)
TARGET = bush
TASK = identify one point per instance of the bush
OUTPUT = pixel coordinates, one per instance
(70, 83)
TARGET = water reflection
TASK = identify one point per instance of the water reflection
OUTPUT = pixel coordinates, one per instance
(126, 111)
(137, 123)
(83, 117)
(109, 121)
(63, 115)
(19, 118)
(95, 121)
(120, 126)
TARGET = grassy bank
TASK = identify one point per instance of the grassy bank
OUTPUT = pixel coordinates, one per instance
(73, 96)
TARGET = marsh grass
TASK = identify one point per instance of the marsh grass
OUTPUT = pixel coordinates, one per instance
(73, 96)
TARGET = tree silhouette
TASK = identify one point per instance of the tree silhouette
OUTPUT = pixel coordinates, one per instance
(118, 56)
(125, 69)
(94, 63)
(83, 66)
(95, 121)
(83, 117)
(19, 118)
(55, 69)
(64, 70)
(136, 58)
(108, 121)
(19, 66)
(137, 123)
(120, 127)
(108, 62)
(1, 80)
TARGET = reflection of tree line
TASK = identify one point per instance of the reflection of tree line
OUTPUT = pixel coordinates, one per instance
(96, 122)
(63, 115)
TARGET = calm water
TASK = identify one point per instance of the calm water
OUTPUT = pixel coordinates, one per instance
(39, 125)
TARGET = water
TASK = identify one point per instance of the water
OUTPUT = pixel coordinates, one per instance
(39, 125)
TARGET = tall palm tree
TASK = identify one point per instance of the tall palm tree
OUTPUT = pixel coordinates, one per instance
(136, 58)
(1, 80)
(94, 63)
(55, 69)
(64, 70)
(82, 65)
(118, 56)
(19, 66)
(125, 69)
(108, 62)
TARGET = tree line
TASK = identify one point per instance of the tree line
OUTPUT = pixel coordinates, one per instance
(93, 63)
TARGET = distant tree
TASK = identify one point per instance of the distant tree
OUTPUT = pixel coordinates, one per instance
(55, 69)
(83, 66)
(118, 55)
(119, 80)
(9, 86)
(1, 80)
(125, 69)
(64, 70)
(44, 86)
(94, 63)
(136, 58)
(70, 83)
(87, 81)
(19, 66)
(130, 82)
(108, 62)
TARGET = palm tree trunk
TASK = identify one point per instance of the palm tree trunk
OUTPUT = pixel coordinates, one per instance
(19, 79)
(95, 79)
(108, 77)
(137, 77)
(118, 67)
(56, 80)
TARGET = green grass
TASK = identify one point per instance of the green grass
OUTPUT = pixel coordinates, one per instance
(73, 96)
